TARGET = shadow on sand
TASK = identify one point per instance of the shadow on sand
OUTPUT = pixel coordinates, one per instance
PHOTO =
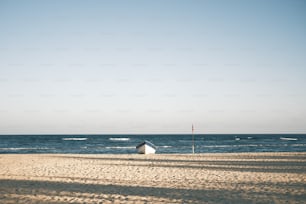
(54, 190)
(281, 164)
(87, 190)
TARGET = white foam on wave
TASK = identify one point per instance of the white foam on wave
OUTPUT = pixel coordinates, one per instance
(289, 138)
(120, 147)
(75, 138)
(298, 145)
(226, 146)
(188, 141)
(250, 145)
(165, 146)
(119, 139)
(24, 148)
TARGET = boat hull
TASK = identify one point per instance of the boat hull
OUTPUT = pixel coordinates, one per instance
(146, 148)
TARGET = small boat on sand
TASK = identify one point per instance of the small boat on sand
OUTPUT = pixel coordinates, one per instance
(146, 147)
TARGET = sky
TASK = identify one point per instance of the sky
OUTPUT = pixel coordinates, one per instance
(114, 67)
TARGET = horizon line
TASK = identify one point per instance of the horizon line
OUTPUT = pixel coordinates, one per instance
(27, 134)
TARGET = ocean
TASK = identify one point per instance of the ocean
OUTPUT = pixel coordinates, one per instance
(166, 144)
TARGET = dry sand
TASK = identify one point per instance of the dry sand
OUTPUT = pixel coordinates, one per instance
(205, 178)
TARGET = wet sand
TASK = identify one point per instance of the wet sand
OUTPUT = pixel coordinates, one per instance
(201, 178)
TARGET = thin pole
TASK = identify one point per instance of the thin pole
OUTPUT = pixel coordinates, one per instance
(192, 140)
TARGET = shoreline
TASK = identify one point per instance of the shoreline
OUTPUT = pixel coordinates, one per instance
(165, 154)
(265, 177)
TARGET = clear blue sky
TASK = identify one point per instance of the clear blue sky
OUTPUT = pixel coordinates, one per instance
(152, 66)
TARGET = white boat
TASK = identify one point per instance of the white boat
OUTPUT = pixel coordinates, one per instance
(146, 147)
(289, 138)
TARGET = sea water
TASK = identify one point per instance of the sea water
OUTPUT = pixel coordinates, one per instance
(166, 144)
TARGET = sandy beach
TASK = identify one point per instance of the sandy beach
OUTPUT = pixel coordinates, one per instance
(204, 178)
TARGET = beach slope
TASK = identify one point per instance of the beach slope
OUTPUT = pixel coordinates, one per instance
(200, 178)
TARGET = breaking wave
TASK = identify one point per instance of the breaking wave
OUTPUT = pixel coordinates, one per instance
(76, 138)
(119, 139)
